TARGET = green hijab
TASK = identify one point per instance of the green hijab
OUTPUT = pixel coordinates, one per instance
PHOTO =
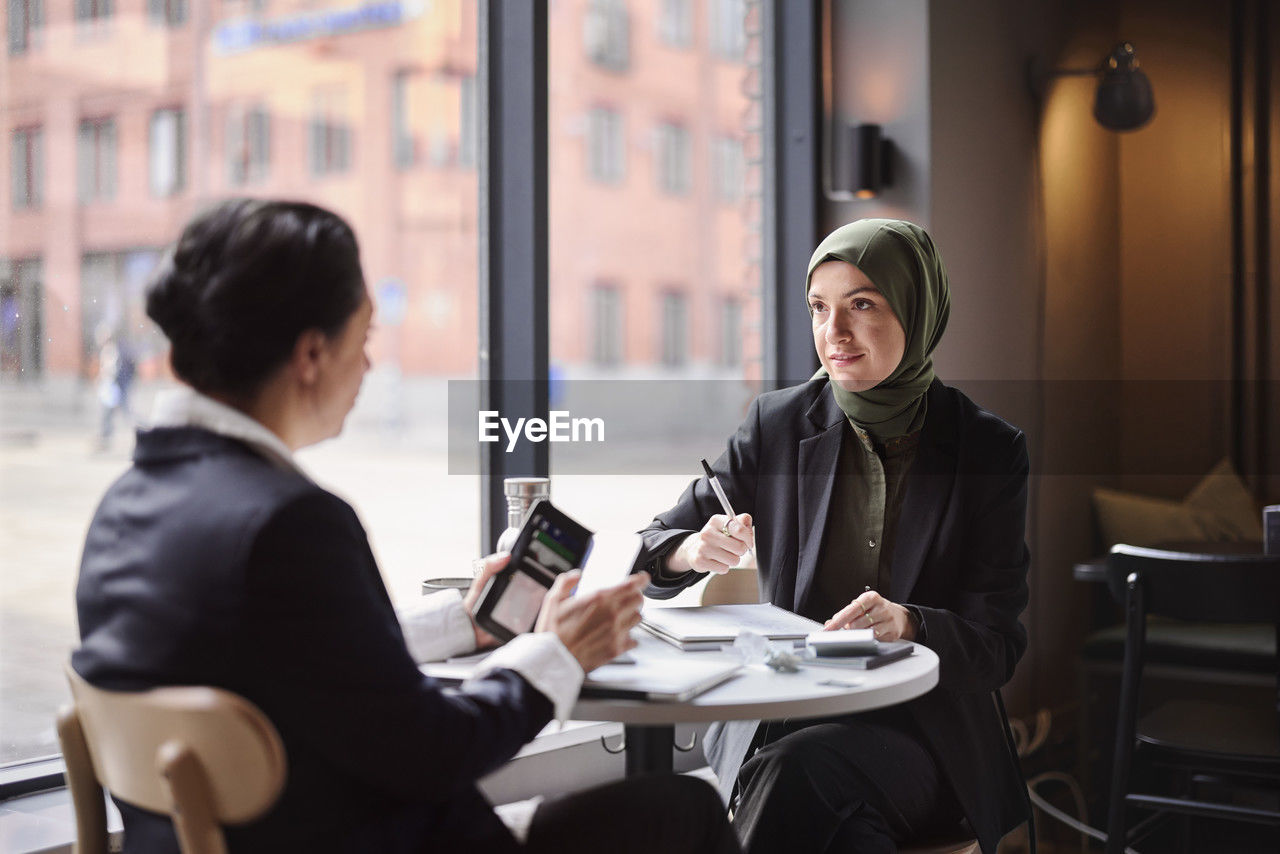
(900, 259)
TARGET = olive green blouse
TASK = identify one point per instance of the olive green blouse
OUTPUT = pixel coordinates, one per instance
(866, 500)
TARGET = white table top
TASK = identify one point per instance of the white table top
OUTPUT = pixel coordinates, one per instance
(758, 693)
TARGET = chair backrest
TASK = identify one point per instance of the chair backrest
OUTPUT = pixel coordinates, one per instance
(735, 587)
(1232, 588)
(204, 756)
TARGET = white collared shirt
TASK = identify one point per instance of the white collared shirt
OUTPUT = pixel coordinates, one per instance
(435, 627)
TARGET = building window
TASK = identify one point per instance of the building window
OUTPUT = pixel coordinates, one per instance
(605, 154)
(27, 167)
(731, 333)
(728, 164)
(404, 146)
(329, 136)
(112, 299)
(168, 163)
(26, 18)
(675, 329)
(606, 325)
(94, 10)
(96, 153)
(248, 145)
(675, 25)
(171, 13)
(468, 125)
(21, 324)
(606, 34)
(674, 169)
(728, 29)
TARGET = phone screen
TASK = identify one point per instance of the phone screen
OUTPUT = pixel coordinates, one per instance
(517, 610)
(549, 544)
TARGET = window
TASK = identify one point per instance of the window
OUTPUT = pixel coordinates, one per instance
(403, 145)
(731, 332)
(419, 241)
(94, 10)
(26, 18)
(674, 332)
(168, 143)
(248, 145)
(646, 336)
(728, 30)
(606, 325)
(673, 159)
(172, 13)
(21, 323)
(729, 168)
(606, 34)
(675, 27)
(329, 135)
(605, 153)
(96, 153)
(27, 167)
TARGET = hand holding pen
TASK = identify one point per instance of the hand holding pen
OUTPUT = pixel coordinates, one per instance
(721, 543)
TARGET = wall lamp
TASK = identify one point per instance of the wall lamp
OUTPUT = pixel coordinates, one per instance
(861, 162)
(1124, 100)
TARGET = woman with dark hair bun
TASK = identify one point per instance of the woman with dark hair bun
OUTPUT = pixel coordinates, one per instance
(215, 560)
(245, 279)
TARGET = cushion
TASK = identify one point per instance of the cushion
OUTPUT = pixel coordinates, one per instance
(1220, 508)
(1139, 520)
(1226, 503)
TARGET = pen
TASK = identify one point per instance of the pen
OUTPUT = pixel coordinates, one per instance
(724, 499)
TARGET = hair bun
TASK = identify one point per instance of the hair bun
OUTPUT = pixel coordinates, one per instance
(173, 299)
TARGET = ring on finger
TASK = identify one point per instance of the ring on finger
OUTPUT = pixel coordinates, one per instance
(724, 530)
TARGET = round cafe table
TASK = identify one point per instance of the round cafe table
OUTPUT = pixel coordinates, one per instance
(756, 693)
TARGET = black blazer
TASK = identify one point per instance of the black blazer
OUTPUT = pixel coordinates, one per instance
(959, 557)
(207, 564)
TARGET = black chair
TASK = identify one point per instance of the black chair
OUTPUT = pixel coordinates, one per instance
(1217, 757)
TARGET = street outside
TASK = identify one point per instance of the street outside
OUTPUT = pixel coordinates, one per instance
(422, 522)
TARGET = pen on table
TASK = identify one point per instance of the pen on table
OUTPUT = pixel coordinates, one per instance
(724, 499)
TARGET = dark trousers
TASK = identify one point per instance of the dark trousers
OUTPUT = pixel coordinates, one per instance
(858, 783)
(661, 814)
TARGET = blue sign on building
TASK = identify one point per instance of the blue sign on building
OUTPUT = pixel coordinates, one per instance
(246, 34)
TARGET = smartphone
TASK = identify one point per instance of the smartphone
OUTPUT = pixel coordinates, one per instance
(549, 543)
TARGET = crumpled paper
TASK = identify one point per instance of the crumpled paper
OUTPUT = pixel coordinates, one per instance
(755, 648)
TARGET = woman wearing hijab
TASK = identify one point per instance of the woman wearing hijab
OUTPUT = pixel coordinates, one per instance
(876, 497)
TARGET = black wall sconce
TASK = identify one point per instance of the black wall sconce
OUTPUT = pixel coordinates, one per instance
(861, 164)
(1124, 100)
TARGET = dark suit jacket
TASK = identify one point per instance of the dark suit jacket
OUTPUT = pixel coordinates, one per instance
(206, 564)
(959, 558)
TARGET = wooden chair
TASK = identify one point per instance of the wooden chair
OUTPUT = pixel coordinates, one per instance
(204, 756)
(1196, 742)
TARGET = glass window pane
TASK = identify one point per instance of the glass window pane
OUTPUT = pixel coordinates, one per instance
(647, 250)
(303, 118)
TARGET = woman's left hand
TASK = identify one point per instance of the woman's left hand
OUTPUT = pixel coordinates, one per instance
(490, 566)
(887, 620)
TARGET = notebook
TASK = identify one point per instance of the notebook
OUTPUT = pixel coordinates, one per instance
(645, 678)
(886, 653)
(708, 627)
(663, 679)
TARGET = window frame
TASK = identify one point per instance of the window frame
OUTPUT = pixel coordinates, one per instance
(102, 180)
(513, 312)
(21, 38)
(32, 161)
(174, 183)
